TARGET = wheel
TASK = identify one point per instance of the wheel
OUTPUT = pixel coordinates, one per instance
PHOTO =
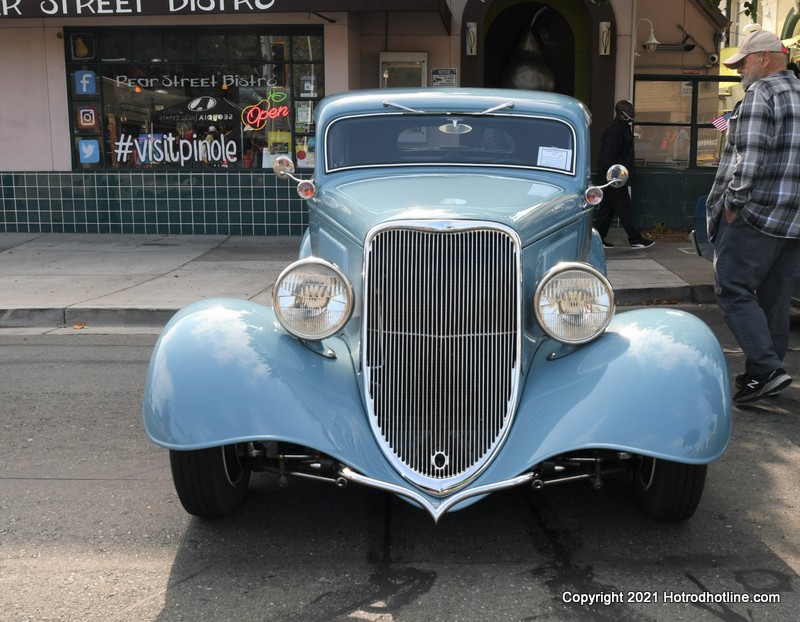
(211, 483)
(668, 491)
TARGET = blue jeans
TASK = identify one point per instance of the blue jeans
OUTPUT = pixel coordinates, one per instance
(754, 275)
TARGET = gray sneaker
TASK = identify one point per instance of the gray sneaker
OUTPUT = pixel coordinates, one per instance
(752, 388)
(739, 381)
(642, 243)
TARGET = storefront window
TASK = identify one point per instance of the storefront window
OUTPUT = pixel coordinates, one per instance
(189, 98)
(675, 119)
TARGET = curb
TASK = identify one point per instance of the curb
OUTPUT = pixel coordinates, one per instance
(682, 294)
(30, 318)
(154, 317)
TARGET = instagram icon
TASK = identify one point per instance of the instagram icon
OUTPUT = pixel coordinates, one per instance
(87, 118)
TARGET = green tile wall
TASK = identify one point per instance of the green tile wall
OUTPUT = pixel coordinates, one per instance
(664, 197)
(241, 202)
(227, 203)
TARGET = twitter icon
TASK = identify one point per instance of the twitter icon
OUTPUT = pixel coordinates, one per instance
(89, 151)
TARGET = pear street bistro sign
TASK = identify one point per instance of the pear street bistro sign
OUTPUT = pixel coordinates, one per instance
(135, 8)
(122, 8)
(129, 8)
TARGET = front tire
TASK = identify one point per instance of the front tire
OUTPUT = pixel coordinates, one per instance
(211, 483)
(668, 491)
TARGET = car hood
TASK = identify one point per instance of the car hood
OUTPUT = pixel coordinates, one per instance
(531, 207)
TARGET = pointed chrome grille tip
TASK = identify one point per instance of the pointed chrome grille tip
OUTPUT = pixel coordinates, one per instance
(439, 295)
(436, 508)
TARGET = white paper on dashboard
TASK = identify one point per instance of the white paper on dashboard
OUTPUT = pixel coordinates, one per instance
(553, 157)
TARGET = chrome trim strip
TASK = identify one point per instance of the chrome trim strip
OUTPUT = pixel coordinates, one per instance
(438, 510)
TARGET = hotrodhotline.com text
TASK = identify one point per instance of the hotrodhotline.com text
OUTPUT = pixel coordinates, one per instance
(634, 597)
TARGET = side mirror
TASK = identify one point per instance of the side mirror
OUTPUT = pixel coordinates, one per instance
(283, 167)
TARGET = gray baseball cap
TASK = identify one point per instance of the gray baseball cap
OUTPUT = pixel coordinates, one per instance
(758, 41)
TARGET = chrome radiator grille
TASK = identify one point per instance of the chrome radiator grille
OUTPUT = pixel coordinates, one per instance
(441, 347)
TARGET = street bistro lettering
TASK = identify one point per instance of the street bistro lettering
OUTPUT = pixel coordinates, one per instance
(257, 115)
(167, 81)
(6, 6)
(218, 5)
(75, 8)
(91, 7)
(173, 150)
(244, 81)
(176, 81)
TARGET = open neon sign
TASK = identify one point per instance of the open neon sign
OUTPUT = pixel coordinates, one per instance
(257, 115)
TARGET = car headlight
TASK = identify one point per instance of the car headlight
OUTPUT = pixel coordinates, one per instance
(312, 299)
(574, 303)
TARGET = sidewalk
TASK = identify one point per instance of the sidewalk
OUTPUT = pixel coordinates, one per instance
(142, 280)
(669, 271)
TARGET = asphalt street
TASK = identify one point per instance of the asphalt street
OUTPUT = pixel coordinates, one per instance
(91, 529)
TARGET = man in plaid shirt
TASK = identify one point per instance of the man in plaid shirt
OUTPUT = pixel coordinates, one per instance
(753, 213)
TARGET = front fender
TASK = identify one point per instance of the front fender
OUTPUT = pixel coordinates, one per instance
(597, 255)
(656, 383)
(223, 372)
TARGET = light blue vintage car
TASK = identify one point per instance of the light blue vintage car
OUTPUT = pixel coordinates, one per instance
(448, 329)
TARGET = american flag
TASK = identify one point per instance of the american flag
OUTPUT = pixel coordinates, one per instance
(721, 122)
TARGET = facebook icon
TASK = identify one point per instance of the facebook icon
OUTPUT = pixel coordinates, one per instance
(85, 83)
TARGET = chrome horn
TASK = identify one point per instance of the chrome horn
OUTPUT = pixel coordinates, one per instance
(616, 177)
(283, 167)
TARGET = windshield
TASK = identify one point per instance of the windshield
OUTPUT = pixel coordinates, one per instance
(443, 140)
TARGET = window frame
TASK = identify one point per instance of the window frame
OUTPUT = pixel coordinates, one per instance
(298, 96)
(693, 125)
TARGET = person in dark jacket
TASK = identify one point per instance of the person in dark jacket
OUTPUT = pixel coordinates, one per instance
(616, 147)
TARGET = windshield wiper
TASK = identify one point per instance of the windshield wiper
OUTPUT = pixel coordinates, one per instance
(387, 103)
(500, 107)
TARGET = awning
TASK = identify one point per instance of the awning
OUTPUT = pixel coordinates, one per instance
(137, 8)
(381, 6)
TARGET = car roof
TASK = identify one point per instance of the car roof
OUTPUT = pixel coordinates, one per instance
(457, 100)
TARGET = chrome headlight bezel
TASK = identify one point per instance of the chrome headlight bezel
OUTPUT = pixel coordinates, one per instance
(318, 271)
(584, 288)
